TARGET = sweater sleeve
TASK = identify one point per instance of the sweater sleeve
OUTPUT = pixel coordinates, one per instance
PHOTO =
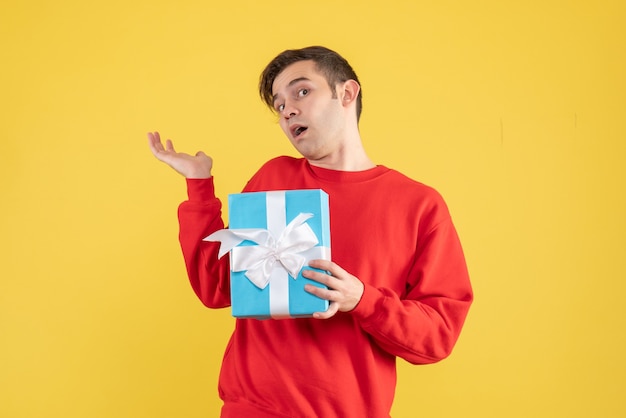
(422, 324)
(198, 217)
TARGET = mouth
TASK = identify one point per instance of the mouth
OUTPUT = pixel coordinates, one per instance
(297, 130)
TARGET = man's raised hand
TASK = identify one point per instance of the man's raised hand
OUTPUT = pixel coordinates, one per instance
(191, 166)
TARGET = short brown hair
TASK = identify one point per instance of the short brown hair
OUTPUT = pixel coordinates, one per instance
(333, 66)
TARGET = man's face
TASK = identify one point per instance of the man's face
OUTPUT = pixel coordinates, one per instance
(313, 120)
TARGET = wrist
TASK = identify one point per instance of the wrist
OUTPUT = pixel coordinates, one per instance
(200, 189)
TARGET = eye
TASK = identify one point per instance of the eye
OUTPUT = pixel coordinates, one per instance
(303, 92)
(280, 107)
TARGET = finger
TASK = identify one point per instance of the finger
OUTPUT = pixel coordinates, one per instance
(327, 265)
(333, 308)
(154, 143)
(169, 146)
(320, 264)
(318, 276)
(330, 275)
(320, 292)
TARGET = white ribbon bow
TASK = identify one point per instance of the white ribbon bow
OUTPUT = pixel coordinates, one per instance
(258, 261)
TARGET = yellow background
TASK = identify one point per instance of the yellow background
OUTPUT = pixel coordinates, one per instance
(514, 111)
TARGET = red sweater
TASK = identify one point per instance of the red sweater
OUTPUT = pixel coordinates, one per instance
(397, 237)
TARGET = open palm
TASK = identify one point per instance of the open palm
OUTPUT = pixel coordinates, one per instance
(191, 166)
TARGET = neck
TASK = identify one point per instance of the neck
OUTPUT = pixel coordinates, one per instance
(365, 164)
(351, 156)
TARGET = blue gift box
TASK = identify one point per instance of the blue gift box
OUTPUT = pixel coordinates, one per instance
(271, 237)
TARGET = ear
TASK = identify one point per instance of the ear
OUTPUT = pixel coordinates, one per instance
(349, 91)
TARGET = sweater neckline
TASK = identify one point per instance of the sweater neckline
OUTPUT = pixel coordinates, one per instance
(346, 176)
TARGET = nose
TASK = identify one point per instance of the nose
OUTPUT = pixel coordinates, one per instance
(289, 110)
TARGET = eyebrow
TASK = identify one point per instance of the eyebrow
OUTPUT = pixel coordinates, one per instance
(291, 83)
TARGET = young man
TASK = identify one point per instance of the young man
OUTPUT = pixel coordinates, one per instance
(398, 285)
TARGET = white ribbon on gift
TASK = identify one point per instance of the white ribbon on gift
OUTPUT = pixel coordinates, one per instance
(259, 260)
(281, 251)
